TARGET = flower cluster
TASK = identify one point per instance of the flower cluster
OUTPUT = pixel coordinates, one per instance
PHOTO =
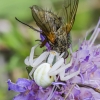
(52, 79)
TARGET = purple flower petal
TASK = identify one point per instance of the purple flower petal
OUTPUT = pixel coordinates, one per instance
(23, 82)
(57, 97)
(15, 87)
(44, 95)
(47, 44)
(87, 58)
(22, 97)
(82, 54)
(76, 79)
(85, 94)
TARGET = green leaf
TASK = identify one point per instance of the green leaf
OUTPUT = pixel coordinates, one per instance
(29, 68)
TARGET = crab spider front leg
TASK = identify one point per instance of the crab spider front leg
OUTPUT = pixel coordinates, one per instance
(59, 67)
(65, 77)
(56, 66)
(35, 62)
(29, 60)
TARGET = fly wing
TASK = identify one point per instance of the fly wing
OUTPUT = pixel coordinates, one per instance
(46, 20)
(39, 17)
(70, 9)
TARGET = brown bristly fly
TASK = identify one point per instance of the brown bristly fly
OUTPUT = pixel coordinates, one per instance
(55, 30)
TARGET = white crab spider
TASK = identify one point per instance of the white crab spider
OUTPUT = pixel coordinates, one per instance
(58, 68)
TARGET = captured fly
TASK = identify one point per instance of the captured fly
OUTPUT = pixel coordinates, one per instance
(55, 31)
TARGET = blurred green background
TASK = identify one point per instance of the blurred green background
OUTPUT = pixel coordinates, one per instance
(17, 39)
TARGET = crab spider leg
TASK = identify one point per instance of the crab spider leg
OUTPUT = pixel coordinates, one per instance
(57, 65)
(59, 57)
(29, 60)
(32, 55)
(61, 68)
(26, 61)
(40, 59)
(35, 62)
(63, 77)
(51, 57)
(31, 72)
